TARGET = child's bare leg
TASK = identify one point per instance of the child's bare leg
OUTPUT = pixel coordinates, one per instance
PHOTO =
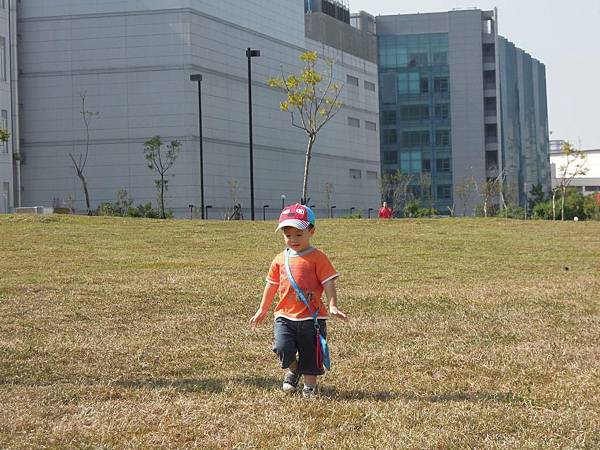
(310, 380)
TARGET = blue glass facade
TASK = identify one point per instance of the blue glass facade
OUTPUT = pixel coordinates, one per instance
(415, 122)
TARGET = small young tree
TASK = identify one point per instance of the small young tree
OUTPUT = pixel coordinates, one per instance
(425, 189)
(160, 161)
(464, 191)
(328, 188)
(310, 104)
(80, 161)
(489, 190)
(573, 166)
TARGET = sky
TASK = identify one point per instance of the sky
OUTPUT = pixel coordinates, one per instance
(564, 35)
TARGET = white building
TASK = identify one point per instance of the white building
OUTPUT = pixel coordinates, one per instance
(132, 59)
(586, 184)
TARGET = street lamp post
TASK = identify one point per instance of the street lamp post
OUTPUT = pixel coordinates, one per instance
(197, 77)
(191, 211)
(332, 208)
(207, 206)
(282, 201)
(352, 208)
(250, 54)
(370, 209)
(264, 215)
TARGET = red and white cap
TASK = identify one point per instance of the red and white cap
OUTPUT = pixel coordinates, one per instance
(297, 216)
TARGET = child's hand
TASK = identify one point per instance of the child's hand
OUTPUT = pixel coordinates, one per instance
(258, 318)
(337, 313)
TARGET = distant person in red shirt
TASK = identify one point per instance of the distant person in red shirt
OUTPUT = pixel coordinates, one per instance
(385, 212)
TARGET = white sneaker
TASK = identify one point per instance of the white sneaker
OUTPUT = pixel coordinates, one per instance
(290, 381)
(309, 391)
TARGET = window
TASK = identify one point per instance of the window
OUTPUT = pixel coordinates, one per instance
(410, 162)
(389, 117)
(389, 137)
(489, 106)
(355, 174)
(491, 133)
(426, 165)
(417, 59)
(409, 83)
(489, 53)
(371, 175)
(4, 125)
(351, 81)
(414, 112)
(444, 191)
(369, 86)
(415, 138)
(354, 122)
(489, 79)
(440, 84)
(424, 85)
(442, 165)
(2, 59)
(442, 111)
(3, 4)
(440, 58)
(442, 137)
(390, 157)
(592, 189)
(370, 125)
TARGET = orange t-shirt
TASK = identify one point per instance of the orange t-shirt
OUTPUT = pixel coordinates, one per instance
(311, 269)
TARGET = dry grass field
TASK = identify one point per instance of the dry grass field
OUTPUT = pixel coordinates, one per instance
(132, 333)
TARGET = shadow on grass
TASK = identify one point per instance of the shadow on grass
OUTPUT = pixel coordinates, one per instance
(213, 385)
(182, 384)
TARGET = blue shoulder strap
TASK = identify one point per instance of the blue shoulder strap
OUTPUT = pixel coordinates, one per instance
(299, 292)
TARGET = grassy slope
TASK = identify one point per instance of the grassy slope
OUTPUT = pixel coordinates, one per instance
(133, 333)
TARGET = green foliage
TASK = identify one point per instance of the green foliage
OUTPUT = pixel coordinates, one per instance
(542, 210)
(312, 99)
(4, 135)
(591, 207)
(161, 160)
(576, 205)
(123, 207)
(413, 209)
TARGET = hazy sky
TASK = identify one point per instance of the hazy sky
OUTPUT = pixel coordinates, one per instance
(564, 35)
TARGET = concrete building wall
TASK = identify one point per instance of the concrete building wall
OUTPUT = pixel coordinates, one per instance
(133, 59)
(7, 96)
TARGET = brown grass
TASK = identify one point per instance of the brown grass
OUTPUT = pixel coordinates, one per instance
(131, 333)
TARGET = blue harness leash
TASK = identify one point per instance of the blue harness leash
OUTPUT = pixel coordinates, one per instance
(321, 340)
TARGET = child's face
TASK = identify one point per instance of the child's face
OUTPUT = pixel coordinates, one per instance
(297, 240)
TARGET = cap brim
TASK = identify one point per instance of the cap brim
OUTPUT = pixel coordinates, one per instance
(295, 223)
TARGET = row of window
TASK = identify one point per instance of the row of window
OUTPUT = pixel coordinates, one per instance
(418, 138)
(353, 81)
(416, 112)
(356, 174)
(354, 122)
(411, 161)
(417, 83)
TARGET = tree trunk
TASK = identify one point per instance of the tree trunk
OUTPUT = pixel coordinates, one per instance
(562, 204)
(485, 208)
(311, 141)
(87, 194)
(554, 205)
(162, 197)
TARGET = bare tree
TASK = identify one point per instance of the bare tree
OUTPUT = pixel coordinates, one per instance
(314, 105)
(394, 187)
(464, 191)
(328, 191)
(80, 161)
(489, 190)
(574, 165)
(425, 188)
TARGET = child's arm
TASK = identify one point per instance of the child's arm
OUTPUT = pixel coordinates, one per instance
(332, 296)
(265, 304)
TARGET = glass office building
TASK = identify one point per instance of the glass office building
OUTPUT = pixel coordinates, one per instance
(415, 111)
(458, 102)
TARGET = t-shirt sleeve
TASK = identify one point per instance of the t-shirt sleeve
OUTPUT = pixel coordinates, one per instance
(325, 270)
(273, 275)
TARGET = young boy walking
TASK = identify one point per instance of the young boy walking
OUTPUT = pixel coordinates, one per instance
(294, 328)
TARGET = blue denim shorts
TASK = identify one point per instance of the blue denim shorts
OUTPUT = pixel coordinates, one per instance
(298, 338)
